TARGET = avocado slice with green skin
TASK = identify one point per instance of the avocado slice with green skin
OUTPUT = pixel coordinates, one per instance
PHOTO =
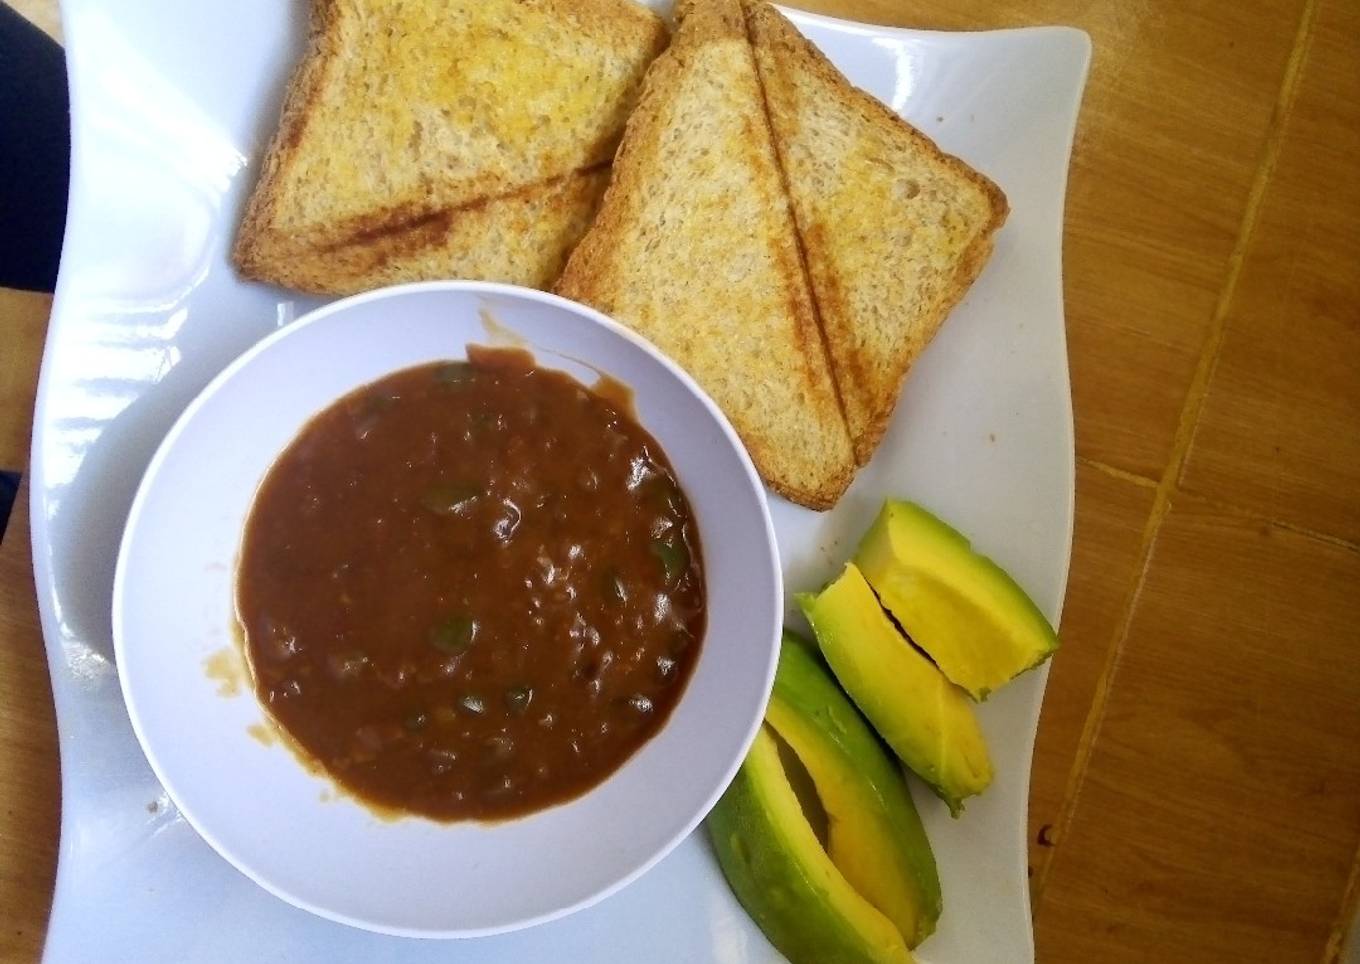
(777, 868)
(875, 837)
(964, 610)
(927, 720)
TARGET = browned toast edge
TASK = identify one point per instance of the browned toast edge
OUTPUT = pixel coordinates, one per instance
(355, 262)
(595, 249)
(249, 252)
(262, 254)
(872, 110)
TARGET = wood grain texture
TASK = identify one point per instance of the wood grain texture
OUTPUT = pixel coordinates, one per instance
(23, 321)
(30, 796)
(1221, 809)
(1111, 514)
(1280, 429)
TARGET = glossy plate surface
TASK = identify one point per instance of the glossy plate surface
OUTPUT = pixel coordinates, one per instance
(171, 104)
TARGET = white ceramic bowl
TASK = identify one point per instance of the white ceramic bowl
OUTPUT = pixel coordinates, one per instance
(285, 828)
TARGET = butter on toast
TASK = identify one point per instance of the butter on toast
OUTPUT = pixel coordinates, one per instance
(425, 139)
(695, 248)
(894, 230)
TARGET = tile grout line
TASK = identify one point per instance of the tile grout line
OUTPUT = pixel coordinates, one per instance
(1246, 515)
(1186, 426)
(1219, 505)
(1231, 508)
(1198, 392)
(1350, 906)
(1124, 475)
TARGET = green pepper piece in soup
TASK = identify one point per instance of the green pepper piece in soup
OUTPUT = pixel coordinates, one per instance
(454, 635)
(674, 557)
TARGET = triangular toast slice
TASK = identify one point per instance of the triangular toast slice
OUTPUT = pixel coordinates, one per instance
(695, 248)
(421, 137)
(894, 230)
(522, 237)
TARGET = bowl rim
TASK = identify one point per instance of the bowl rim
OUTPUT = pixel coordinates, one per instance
(396, 292)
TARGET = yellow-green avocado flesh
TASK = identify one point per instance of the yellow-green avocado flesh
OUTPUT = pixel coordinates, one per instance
(777, 868)
(962, 609)
(874, 837)
(927, 720)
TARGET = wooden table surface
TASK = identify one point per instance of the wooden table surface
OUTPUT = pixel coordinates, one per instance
(1196, 792)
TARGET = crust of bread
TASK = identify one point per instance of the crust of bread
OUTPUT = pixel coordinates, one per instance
(609, 271)
(523, 237)
(868, 392)
(251, 252)
(454, 230)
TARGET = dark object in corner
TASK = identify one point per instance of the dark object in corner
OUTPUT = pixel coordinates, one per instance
(9, 488)
(35, 154)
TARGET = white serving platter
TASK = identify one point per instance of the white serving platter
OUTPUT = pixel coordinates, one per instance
(171, 105)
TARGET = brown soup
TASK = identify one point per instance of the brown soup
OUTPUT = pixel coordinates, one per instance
(471, 590)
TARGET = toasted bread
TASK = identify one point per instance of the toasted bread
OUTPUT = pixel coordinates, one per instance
(421, 137)
(695, 248)
(522, 237)
(894, 230)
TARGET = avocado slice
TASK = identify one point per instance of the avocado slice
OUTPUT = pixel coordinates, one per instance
(927, 720)
(875, 837)
(783, 877)
(964, 610)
